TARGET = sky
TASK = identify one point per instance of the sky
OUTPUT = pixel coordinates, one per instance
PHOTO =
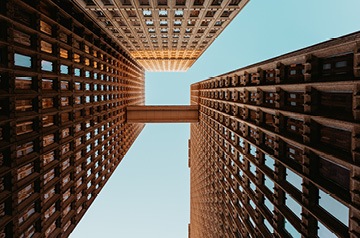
(148, 196)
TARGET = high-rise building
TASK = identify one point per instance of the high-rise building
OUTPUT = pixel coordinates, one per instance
(274, 148)
(64, 88)
(163, 35)
(277, 147)
(68, 71)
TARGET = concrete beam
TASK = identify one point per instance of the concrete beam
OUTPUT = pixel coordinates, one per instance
(162, 114)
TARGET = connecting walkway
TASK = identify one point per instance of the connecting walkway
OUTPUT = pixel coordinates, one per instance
(162, 114)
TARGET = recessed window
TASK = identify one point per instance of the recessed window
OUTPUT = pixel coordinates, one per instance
(341, 64)
(179, 13)
(149, 23)
(327, 66)
(47, 103)
(325, 232)
(46, 47)
(64, 69)
(163, 13)
(268, 204)
(293, 205)
(47, 158)
(22, 60)
(24, 149)
(76, 58)
(25, 171)
(252, 185)
(22, 38)
(64, 53)
(23, 82)
(252, 168)
(334, 172)
(291, 229)
(45, 27)
(334, 207)
(47, 121)
(47, 84)
(46, 65)
(269, 183)
(77, 72)
(268, 226)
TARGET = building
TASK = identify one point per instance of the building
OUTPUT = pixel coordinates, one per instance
(64, 88)
(276, 149)
(275, 152)
(163, 35)
(68, 71)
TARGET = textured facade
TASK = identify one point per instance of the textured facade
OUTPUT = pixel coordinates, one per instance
(276, 152)
(64, 88)
(163, 35)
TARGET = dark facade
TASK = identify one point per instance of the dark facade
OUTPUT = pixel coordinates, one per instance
(276, 152)
(64, 88)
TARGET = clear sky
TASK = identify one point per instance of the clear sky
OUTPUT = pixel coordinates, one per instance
(148, 195)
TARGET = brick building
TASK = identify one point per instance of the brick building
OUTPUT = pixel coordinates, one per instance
(276, 149)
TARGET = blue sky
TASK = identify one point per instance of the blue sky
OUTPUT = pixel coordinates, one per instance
(148, 195)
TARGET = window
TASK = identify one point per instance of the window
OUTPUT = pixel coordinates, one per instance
(23, 82)
(293, 205)
(48, 139)
(64, 53)
(268, 226)
(294, 179)
(163, 13)
(252, 185)
(47, 158)
(252, 168)
(49, 176)
(27, 213)
(291, 229)
(47, 84)
(50, 211)
(48, 121)
(25, 192)
(269, 183)
(268, 204)
(22, 38)
(325, 232)
(334, 172)
(46, 47)
(24, 149)
(28, 232)
(64, 69)
(24, 127)
(49, 194)
(25, 171)
(22, 60)
(333, 207)
(45, 27)
(46, 65)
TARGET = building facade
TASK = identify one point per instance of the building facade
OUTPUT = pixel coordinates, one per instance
(163, 35)
(64, 88)
(276, 151)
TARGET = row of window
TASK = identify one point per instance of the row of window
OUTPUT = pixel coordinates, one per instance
(162, 3)
(28, 83)
(25, 39)
(49, 66)
(326, 202)
(333, 67)
(326, 135)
